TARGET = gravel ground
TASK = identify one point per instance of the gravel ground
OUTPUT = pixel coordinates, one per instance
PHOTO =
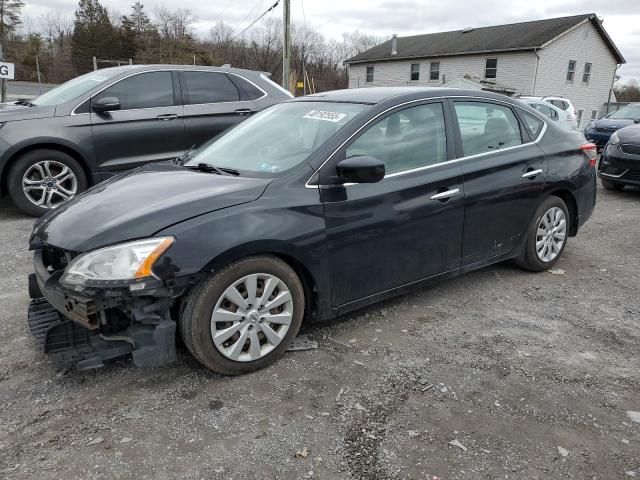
(529, 375)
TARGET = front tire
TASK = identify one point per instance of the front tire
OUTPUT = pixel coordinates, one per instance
(41, 180)
(245, 316)
(546, 236)
(609, 185)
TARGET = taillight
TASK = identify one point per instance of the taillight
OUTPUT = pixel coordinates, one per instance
(571, 118)
(591, 151)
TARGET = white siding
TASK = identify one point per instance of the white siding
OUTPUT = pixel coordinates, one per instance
(515, 70)
(582, 44)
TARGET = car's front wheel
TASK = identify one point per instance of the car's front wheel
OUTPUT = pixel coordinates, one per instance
(41, 180)
(546, 236)
(245, 316)
(609, 185)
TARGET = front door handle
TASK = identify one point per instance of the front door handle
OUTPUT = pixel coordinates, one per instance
(446, 195)
(532, 173)
(244, 111)
(167, 116)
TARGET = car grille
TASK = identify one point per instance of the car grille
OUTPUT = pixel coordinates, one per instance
(56, 258)
(630, 148)
(606, 129)
(632, 175)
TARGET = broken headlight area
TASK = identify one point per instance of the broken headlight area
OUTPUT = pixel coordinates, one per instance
(100, 305)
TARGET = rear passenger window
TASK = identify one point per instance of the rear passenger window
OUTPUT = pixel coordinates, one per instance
(532, 124)
(411, 138)
(248, 91)
(146, 90)
(486, 127)
(207, 87)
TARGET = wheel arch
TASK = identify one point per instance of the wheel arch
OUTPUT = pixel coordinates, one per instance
(284, 252)
(48, 145)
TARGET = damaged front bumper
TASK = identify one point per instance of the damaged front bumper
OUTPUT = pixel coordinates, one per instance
(82, 329)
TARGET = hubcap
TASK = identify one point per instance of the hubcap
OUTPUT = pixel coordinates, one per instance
(251, 317)
(48, 183)
(551, 234)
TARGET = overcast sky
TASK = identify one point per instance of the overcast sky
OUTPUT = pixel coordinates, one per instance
(404, 17)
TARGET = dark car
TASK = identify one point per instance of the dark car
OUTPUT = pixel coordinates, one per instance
(98, 124)
(600, 130)
(620, 159)
(308, 210)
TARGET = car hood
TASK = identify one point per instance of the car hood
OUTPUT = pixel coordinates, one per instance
(613, 122)
(140, 203)
(12, 111)
(629, 134)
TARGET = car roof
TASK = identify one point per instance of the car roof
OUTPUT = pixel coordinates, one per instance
(375, 95)
(145, 67)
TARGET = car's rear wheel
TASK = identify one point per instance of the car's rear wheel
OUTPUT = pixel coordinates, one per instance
(41, 180)
(546, 236)
(245, 316)
(609, 185)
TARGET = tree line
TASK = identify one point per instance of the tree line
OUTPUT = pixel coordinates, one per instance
(62, 47)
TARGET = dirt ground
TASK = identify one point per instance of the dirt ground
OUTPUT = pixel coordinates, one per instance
(530, 375)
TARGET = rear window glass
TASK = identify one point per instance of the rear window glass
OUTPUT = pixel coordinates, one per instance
(248, 91)
(207, 87)
(532, 124)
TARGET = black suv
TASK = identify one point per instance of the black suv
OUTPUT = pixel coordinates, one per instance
(86, 130)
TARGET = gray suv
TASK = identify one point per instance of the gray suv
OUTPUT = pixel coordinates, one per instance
(115, 119)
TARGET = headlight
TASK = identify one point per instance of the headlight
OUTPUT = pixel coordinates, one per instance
(614, 139)
(124, 262)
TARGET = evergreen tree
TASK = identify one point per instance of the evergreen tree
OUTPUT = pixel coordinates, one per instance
(93, 35)
(137, 32)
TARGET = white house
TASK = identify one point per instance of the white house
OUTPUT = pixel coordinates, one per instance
(573, 57)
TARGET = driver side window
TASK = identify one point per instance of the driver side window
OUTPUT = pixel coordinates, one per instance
(411, 138)
(144, 90)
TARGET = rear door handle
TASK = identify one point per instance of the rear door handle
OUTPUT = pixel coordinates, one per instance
(446, 195)
(532, 173)
(244, 111)
(167, 116)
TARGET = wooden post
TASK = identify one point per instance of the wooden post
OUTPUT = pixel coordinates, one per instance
(95, 64)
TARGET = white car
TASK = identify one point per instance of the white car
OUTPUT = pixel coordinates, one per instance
(567, 115)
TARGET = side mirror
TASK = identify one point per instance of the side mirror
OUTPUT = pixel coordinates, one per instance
(360, 169)
(637, 120)
(106, 104)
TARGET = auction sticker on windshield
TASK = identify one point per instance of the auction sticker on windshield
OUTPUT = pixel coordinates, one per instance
(334, 117)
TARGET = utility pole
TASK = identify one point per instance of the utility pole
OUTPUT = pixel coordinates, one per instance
(3, 81)
(286, 43)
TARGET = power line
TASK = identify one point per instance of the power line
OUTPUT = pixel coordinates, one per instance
(256, 20)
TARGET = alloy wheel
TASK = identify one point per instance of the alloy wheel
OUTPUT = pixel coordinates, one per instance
(252, 317)
(551, 234)
(48, 183)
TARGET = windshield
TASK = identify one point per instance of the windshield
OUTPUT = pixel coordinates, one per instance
(278, 138)
(630, 112)
(74, 88)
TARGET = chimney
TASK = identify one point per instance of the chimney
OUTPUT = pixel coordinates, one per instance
(394, 44)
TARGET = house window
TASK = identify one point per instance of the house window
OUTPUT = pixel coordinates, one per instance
(571, 70)
(434, 71)
(369, 78)
(594, 115)
(415, 71)
(580, 113)
(587, 73)
(491, 68)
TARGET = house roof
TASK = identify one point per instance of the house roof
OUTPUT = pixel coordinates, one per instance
(499, 38)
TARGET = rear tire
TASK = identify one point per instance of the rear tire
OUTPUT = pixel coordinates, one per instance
(41, 180)
(260, 335)
(609, 185)
(550, 224)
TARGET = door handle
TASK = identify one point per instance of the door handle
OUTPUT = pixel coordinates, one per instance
(446, 195)
(532, 173)
(244, 111)
(167, 116)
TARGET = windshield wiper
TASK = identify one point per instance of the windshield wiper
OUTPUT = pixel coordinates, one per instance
(207, 167)
(180, 159)
(25, 102)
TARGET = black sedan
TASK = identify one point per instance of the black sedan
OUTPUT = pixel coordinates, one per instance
(309, 209)
(620, 160)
